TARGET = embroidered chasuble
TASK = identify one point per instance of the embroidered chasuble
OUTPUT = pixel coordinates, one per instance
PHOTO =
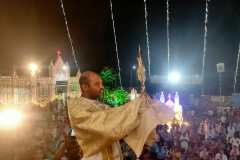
(98, 127)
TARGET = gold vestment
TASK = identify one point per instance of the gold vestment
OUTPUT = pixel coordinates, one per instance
(98, 128)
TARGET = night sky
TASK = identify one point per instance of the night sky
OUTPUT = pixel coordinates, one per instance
(33, 31)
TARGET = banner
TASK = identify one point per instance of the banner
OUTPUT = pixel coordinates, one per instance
(220, 68)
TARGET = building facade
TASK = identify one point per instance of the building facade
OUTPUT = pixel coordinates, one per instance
(20, 90)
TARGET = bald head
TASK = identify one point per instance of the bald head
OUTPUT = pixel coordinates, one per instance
(84, 78)
(91, 85)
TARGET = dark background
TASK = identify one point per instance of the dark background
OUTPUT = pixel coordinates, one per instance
(33, 31)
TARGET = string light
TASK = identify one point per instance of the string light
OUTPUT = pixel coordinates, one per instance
(146, 14)
(205, 43)
(168, 36)
(69, 36)
(114, 32)
(236, 72)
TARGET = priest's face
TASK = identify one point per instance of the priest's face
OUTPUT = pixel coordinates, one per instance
(95, 87)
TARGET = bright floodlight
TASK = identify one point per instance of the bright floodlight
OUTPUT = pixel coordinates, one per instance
(64, 67)
(33, 68)
(134, 67)
(174, 77)
(10, 117)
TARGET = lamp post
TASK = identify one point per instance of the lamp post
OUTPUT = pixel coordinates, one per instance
(220, 69)
(133, 67)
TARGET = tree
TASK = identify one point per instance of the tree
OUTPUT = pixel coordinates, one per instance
(112, 94)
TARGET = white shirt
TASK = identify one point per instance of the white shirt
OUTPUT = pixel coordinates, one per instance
(221, 157)
(184, 144)
(235, 141)
(210, 133)
(231, 131)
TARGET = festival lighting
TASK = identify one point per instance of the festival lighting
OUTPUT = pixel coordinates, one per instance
(33, 68)
(10, 117)
(174, 77)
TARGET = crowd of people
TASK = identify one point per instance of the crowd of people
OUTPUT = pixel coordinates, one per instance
(46, 134)
(201, 137)
(42, 133)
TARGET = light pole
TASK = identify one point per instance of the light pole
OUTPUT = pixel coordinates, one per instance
(220, 69)
(133, 67)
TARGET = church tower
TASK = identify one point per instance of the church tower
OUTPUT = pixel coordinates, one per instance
(51, 71)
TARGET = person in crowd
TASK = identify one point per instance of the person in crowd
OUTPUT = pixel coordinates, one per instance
(197, 148)
(206, 126)
(201, 132)
(230, 131)
(209, 142)
(98, 127)
(65, 128)
(219, 128)
(196, 156)
(184, 140)
(146, 152)
(49, 145)
(159, 132)
(176, 154)
(167, 137)
(235, 151)
(183, 128)
(158, 150)
(176, 140)
(38, 153)
(188, 158)
(222, 137)
(203, 153)
(236, 125)
(24, 151)
(194, 138)
(234, 141)
(60, 131)
(69, 151)
(210, 132)
(173, 130)
(210, 156)
(220, 155)
(223, 119)
(215, 147)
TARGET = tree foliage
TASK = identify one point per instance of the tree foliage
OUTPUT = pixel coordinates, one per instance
(112, 94)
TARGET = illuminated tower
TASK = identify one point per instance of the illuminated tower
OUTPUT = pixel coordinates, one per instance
(162, 98)
(51, 70)
(176, 99)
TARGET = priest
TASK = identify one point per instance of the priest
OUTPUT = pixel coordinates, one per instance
(98, 127)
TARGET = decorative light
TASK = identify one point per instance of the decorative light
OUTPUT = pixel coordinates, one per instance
(10, 117)
(174, 77)
(33, 68)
